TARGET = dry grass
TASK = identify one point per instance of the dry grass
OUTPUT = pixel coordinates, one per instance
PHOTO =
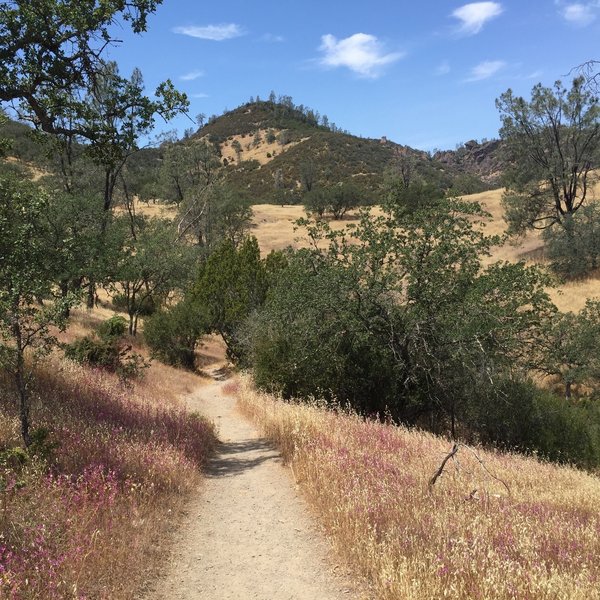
(258, 152)
(275, 230)
(95, 517)
(466, 538)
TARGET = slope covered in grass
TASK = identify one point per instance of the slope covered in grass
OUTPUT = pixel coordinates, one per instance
(506, 527)
(86, 514)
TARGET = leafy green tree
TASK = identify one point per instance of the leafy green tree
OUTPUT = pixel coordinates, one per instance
(308, 174)
(343, 197)
(399, 312)
(316, 202)
(71, 229)
(217, 213)
(569, 348)
(187, 169)
(173, 333)
(552, 143)
(232, 284)
(574, 248)
(51, 52)
(150, 266)
(237, 148)
(29, 271)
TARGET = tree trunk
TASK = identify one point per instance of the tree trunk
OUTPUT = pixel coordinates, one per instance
(21, 383)
(91, 295)
(568, 394)
(64, 291)
(23, 403)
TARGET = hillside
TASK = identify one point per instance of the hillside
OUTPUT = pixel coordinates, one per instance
(274, 152)
(479, 159)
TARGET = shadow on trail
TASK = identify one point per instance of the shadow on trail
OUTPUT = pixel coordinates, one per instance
(235, 458)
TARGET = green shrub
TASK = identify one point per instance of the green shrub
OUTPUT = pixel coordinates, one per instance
(91, 351)
(525, 418)
(574, 247)
(147, 306)
(115, 327)
(172, 334)
(106, 350)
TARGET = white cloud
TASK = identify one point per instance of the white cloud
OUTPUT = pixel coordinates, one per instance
(475, 15)
(192, 75)
(580, 14)
(199, 95)
(361, 53)
(271, 38)
(443, 68)
(217, 33)
(485, 70)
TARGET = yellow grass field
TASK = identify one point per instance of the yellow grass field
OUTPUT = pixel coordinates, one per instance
(493, 526)
(274, 227)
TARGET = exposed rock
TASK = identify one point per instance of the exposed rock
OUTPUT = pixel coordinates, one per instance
(482, 160)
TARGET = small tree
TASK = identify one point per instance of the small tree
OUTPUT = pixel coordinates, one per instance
(552, 143)
(29, 270)
(568, 348)
(574, 249)
(232, 284)
(173, 333)
(237, 148)
(150, 266)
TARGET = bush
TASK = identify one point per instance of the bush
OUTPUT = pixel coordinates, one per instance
(172, 334)
(107, 351)
(115, 327)
(574, 247)
(525, 418)
(88, 350)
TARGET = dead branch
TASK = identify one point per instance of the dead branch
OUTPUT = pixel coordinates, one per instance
(441, 467)
(455, 448)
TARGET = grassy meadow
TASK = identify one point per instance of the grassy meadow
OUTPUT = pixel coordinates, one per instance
(89, 511)
(493, 526)
(274, 227)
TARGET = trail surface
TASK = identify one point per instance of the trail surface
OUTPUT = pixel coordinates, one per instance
(247, 534)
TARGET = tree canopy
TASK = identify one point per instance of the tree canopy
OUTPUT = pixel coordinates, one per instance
(552, 143)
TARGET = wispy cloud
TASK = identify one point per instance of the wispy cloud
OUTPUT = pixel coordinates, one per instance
(580, 14)
(217, 33)
(192, 75)
(199, 95)
(271, 38)
(475, 15)
(485, 70)
(361, 53)
(443, 68)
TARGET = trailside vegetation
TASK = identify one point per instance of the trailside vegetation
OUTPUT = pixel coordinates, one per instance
(552, 143)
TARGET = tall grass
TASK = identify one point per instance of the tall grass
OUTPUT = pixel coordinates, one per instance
(467, 536)
(86, 515)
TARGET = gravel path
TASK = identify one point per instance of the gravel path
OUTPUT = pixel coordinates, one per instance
(247, 534)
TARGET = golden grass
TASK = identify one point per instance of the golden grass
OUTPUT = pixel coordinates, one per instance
(257, 152)
(274, 227)
(467, 537)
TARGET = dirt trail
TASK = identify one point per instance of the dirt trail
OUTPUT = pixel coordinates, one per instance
(247, 535)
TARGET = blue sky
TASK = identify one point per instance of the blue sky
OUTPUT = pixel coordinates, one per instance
(423, 73)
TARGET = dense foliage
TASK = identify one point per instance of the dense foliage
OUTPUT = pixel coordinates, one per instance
(401, 316)
(552, 143)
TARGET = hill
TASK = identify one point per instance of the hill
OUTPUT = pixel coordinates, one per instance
(275, 151)
(480, 159)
